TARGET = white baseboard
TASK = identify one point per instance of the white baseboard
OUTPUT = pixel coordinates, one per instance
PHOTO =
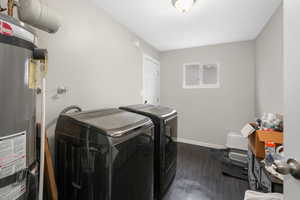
(203, 144)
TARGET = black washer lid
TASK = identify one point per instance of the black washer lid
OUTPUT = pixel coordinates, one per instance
(113, 122)
(158, 111)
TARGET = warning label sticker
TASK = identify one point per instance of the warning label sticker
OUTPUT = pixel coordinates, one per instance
(13, 191)
(12, 154)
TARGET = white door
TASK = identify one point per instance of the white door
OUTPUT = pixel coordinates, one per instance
(151, 80)
(292, 92)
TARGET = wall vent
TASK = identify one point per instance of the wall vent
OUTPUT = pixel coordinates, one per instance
(196, 75)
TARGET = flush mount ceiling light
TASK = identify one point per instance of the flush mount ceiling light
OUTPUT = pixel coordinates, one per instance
(183, 5)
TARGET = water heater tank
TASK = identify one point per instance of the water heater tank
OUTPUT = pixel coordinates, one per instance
(17, 111)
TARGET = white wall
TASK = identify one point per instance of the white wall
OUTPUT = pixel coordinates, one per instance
(94, 57)
(269, 66)
(206, 115)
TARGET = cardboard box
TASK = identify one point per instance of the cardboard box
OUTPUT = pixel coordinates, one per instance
(258, 139)
(248, 129)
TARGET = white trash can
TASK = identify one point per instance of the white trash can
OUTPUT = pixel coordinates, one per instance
(237, 146)
(235, 140)
(252, 195)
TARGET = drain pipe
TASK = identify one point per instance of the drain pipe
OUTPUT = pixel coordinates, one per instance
(39, 15)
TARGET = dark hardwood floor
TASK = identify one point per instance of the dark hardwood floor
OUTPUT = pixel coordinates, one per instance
(199, 177)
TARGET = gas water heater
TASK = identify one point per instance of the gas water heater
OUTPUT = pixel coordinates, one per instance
(20, 62)
(18, 175)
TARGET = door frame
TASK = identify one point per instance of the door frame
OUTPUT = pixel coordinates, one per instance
(291, 42)
(148, 57)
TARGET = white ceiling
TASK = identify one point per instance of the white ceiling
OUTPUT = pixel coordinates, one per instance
(209, 22)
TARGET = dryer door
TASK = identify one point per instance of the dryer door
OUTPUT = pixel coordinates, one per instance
(169, 143)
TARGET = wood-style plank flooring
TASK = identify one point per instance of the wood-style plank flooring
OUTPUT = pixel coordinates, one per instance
(199, 177)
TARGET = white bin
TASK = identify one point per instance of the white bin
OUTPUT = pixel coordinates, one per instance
(251, 195)
(235, 140)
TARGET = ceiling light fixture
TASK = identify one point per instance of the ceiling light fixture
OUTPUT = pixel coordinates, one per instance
(183, 5)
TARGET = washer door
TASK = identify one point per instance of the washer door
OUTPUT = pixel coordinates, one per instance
(132, 177)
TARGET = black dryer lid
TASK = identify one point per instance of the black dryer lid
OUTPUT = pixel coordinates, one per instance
(154, 110)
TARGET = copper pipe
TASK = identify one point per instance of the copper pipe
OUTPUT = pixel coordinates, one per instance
(10, 7)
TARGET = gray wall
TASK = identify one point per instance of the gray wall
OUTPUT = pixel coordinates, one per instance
(269, 66)
(94, 57)
(207, 115)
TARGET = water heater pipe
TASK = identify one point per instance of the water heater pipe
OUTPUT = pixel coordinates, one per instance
(41, 55)
(10, 7)
(38, 15)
